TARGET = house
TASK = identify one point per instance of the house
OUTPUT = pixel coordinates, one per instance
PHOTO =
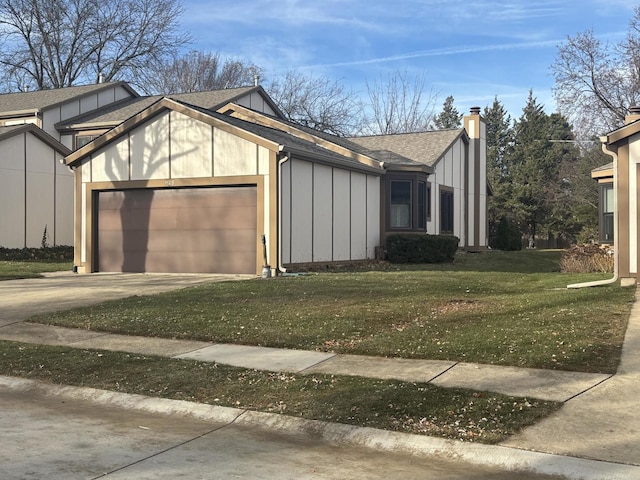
(36, 190)
(619, 196)
(36, 201)
(197, 182)
(181, 187)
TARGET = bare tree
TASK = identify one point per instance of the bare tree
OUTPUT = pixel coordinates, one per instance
(400, 105)
(197, 71)
(317, 102)
(597, 82)
(59, 43)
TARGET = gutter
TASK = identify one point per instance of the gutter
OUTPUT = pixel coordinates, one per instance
(614, 279)
(281, 162)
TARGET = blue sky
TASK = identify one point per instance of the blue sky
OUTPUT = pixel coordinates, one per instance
(472, 50)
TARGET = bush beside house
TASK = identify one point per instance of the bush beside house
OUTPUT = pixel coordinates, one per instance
(416, 248)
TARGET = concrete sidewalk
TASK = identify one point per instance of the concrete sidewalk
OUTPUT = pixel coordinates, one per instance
(596, 435)
(524, 382)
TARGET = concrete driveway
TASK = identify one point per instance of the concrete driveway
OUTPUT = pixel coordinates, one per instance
(21, 299)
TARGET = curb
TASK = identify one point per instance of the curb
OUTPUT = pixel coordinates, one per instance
(506, 458)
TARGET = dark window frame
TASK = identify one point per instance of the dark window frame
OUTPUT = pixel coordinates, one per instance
(447, 211)
(606, 212)
(417, 182)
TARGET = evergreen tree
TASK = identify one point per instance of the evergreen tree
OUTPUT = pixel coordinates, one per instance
(542, 145)
(449, 117)
(499, 141)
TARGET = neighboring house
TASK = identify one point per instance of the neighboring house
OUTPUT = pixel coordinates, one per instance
(179, 187)
(620, 198)
(36, 189)
(35, 193)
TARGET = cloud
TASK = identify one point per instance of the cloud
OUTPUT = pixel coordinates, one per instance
(458, 50)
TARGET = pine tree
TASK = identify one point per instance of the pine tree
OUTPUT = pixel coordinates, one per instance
(449, 117)
(499, 141)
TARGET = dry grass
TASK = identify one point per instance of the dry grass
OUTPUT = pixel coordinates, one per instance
(587, 259)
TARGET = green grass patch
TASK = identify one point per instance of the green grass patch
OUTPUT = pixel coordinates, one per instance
(13, 270)
(417, 408)
(502, 308)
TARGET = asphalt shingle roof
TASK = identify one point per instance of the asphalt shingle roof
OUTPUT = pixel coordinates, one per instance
(422, 147)
(120, 111)
(42, 99)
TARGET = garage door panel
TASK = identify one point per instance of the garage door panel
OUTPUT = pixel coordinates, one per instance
(183, 230)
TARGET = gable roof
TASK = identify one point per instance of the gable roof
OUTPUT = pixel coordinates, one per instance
(118, 112)
(8, 132)
(342, 146)
(38, 100)
(424, 148)
(273, 138)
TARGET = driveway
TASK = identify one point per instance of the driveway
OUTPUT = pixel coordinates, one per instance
(21, 299)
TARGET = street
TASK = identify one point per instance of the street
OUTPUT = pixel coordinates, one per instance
(48, 437)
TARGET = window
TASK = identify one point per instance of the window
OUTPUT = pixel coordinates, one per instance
(423, 202)
(446, 211)
(82, 140)
(400, 204)
(606, 212)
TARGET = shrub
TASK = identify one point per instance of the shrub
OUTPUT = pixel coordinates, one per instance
(587, 259)
(421, 248)
(508, 236)
(48, 254)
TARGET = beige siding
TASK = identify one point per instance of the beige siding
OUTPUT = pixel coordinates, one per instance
(358, 201)
(449, 172)
(40, 184)
(111, 164)
(322, 213)
(263, 160)
(341, 215)
(63, 234)
(285, 199)
(149, 145)
(301, 211)
(39, 191)
(373, 215)
(634, 160)
(191, 147)
(12, 192)
(233, 155)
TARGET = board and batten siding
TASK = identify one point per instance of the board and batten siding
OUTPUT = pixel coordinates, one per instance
(328, 213)
(79, 106)
(173, 146)
(450, 173)
(36, 192)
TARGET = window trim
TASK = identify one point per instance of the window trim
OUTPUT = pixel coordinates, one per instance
(605, 218)
(414, 179)
(449, 192)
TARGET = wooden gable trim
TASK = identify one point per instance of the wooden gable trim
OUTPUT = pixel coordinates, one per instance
(243, 113)
(153, 110)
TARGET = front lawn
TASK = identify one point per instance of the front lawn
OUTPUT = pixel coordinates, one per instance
(495, 307)
(12, 270)
(417, 408)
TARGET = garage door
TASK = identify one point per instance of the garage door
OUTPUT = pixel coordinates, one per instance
(194, 230)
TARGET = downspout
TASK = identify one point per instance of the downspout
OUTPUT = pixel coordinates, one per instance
(280, 163)
(614, 279)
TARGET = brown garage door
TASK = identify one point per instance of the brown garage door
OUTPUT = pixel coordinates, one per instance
(194, 230)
